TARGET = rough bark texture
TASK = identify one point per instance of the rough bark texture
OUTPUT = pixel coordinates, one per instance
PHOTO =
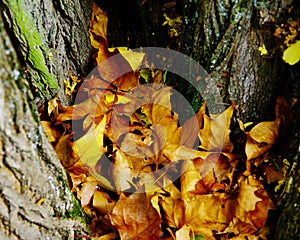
(34, 199)
(51, 40)
(35, 202)
(226, 39)
(224, 36)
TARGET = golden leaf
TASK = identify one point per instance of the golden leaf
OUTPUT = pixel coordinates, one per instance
(261, 137)
(216, 130)
(51, 132)
(292, 54)
(135, 218)
(102, 202)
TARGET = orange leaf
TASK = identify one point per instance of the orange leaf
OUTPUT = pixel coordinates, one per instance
(87, 191)
(102, 202)
(216, 130)
(51, 132)
(122, 171)
(260, 139)
(189, 177)
(135, 218)
(173, 211)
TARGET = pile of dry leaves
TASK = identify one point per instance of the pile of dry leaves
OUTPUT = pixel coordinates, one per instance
(135, 171)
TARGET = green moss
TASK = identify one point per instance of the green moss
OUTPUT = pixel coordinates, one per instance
(34, 48)
(76, 211)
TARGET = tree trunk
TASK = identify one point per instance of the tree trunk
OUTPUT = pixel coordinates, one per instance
(225, 39)
(50, 39)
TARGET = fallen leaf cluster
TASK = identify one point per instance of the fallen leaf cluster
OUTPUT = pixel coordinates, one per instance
(135, 169)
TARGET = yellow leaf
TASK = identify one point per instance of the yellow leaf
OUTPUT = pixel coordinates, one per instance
(119, 99)
(263, 50)
(215, 133)
(102, 202)
(248, 124)
(89, 147)
(292, 54)
(135, 59)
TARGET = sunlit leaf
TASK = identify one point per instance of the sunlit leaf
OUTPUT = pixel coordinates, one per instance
(292, 54)
(263, 50)
(135, 59)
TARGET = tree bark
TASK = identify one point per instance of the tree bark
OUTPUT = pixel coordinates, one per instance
(50, 39)
(224, 37)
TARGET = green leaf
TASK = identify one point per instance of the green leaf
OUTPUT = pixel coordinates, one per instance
(292, 54)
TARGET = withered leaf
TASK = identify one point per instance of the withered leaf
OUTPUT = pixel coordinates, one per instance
(122, 171)
(135, 218)
(172, 211)
(52, 133)
(127, 136)
(216, 130)
(87, 191)
(102, 202)
(260, 139)
(206, 211)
